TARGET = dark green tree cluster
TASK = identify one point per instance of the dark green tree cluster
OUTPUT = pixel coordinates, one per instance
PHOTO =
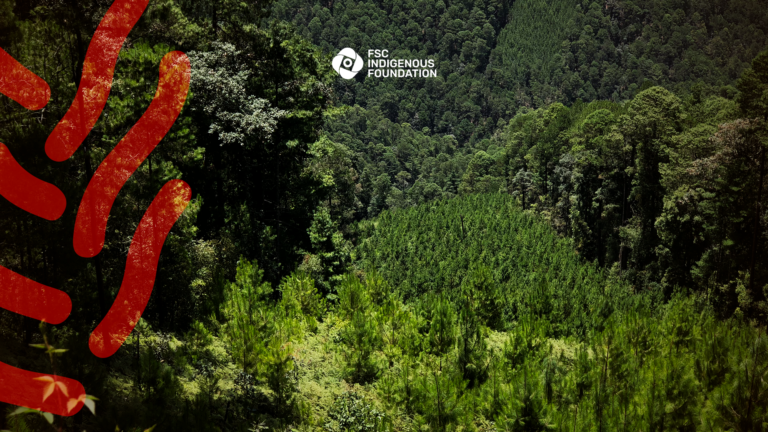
(610, 50)
(457, 35)
(507, 261)
(434, 363)
(669, 191)
(397, 165)
(535, 215)
(496, 56)
(249, 142)
(437, 359)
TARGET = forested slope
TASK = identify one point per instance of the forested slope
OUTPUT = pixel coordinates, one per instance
(527, 53)
(371, 358)
(668, 189)
(486, 244)
(497, 56)
(564, 231)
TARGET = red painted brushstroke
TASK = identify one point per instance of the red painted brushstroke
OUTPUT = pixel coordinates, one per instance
(21, 85)
(141, 268)
(50, 393)
(28, 192)
(96, 80)
(133, 149)
(26, 297)
(26, 388)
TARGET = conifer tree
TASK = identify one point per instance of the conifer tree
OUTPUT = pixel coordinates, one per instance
(247, 316)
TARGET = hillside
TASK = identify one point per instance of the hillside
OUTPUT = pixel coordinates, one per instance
(373, 361)
(486, 244)
(665, 190)
(564, 231)
(497, 56)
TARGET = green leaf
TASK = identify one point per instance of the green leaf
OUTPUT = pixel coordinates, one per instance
(23, 410)
(41, 346)
(48, 416)
(91, 405)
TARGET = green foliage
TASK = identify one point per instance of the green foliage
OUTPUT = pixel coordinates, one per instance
(398, 165)
(753, 86)
(433, 248)
(494, 57)
(351, 412)
(528, 50)
(746, 388)
(219, 82)
(331, 251)
(662, 191)
(439, 393)
(471, 343)
(533, 301)
(524, 408)
(257, 131)
(362, 333)
(247, 315)
(300, 298)
(262, 332)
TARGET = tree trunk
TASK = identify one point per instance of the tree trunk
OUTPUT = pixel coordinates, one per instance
(756, 226)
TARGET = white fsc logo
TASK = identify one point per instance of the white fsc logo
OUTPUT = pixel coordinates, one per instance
(347, 63)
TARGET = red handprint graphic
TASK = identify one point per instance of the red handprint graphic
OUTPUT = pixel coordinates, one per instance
(56, 394)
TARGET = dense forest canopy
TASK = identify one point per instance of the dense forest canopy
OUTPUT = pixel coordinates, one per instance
(496, 56)
(484, 243)
(565, 230)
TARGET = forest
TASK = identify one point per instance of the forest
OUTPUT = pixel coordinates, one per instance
(566, 230)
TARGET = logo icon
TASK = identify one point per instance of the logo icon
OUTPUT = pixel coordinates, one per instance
(347, 63)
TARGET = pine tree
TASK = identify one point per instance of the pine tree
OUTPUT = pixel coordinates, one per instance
(246, 313)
